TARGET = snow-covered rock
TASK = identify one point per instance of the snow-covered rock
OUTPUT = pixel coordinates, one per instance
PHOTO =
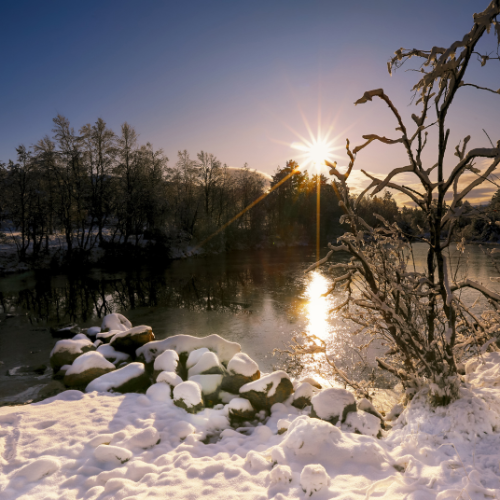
(93, 331)
(332, 404)
(130, 340)
(67, 350)
(130, 378)
(365, 405)
(105, 337)
(312, 381)
(281, 474)
(86, 368)
(111, 354)
(115, 321)
(242, 369)
(167, 361)
(240, 409)
(80, 336)
(362, 422)
(170, 378)
(113, 454)
(187, 395)
(185, 344)
(194, 356)
(268, 390)
(208, 364)
(159, 392)
(39, 468)
(314, 478)
(303, 394)
(210, 386)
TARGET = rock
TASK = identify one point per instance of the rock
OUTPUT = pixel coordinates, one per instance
(263, 393)
(332, 404)
(167, 361)
(313, 382)
(105, 337)
(239, 410)
(187, 396)
(364, 423)
(303, 394)
(208, 364)
(130, 340)
(241, 370)
(86, 368)
(210, 386)
(67, 350)
(26, 370)
(111, 354)
(130, 378)
(115, 321)
(367, 406)
(93, 331)
(65, 331)
(62, 371)
(170, 378)
(53, 388)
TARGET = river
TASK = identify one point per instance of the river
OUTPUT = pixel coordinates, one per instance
(259, 298)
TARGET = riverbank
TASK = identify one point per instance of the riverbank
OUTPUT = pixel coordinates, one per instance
(123, 446)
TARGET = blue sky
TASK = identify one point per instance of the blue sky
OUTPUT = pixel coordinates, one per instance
(236, 78)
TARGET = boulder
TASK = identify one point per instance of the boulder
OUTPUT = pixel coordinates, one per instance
(187, 396)
(105, 337)
(241, 370)
(65, 331)
(332, 404)
(208, 364)
(111, 354)
(115, 321)
(240, 410)
(210, 387)
(167, 361)
(130, 378)
(67, 350)
(170, 378)
(130, 340)
(364, 423)
(268, 390)
(86, 368)
(93, 331)
(303, 394)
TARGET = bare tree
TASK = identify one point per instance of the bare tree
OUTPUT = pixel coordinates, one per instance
(425, 324)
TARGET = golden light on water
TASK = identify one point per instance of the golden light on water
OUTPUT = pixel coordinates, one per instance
(317, 306)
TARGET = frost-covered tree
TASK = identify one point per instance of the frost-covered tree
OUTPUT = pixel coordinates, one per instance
(420, 315)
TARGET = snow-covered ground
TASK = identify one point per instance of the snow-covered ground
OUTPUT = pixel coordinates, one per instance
(134, 446)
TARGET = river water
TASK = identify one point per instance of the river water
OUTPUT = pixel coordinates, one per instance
(260, 299)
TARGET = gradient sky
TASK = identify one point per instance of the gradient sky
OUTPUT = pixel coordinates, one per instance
(240, 79)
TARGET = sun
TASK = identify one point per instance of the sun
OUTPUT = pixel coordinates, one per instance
(315, 152)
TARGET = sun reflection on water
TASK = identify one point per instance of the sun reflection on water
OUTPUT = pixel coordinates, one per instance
(318, 306)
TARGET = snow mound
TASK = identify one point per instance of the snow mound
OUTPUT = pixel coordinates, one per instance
(88, 361)
(113, 454)
(167, 361)
(240, 404)
(242, 364)
(189, 393)
(170, 378)
(145, 438)
(41, 467)
(262, 384)
(484, 371)
(281, 474)
(332, 404)
(207, 364)
(363, 423)
(116, 378)
(115, 321)
(314, 478)
(159, 392)
(80, 336)
(224, 349)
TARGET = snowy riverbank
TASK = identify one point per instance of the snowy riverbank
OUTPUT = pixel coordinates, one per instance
(115, 446)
